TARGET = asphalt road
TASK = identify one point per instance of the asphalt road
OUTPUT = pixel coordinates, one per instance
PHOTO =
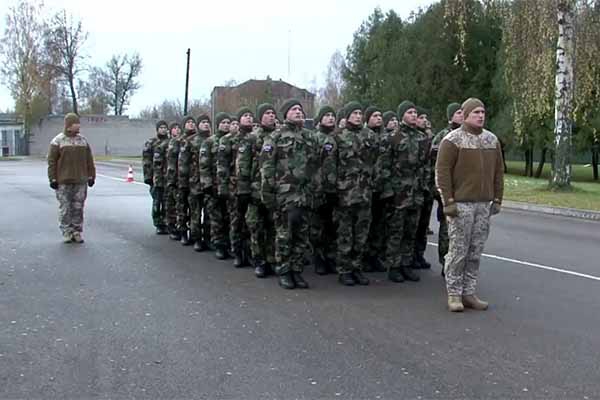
(130, 314)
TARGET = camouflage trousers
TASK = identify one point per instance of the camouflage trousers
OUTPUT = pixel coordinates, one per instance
(377, 235)
(323, 231)
(423, 226)
(218, 215)
(353, 223)
(158, 206)
(443, 241)
(238, 230)
(199, 220)
(171, 208)
(183, 209)
(468, 232)
(402, 230)
(71, 200)
(291, 239)
(262, 232)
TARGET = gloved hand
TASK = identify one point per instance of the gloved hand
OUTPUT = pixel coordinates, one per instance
(496, 207)
(54, 185)
(91, 182)
(148, 182)
(451, 210)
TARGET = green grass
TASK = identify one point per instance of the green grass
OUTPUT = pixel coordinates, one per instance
(10, 158)
(580, 172)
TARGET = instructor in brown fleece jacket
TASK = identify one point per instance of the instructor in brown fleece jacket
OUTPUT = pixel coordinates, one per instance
(70, 169)
(470, 178)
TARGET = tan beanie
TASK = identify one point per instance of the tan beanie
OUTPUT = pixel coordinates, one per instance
(70, 119)
(470, 104)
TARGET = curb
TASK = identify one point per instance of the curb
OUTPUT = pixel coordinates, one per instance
(549, 210)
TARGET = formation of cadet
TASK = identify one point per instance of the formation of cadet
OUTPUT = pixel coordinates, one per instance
(355, 195)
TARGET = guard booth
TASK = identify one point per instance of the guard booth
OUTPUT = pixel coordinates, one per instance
(11, 135)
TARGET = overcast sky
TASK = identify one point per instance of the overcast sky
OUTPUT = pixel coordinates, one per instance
(229, 39)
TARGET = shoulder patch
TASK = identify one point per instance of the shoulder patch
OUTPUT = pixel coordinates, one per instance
(328, 147)
(222, 147)
(241, 149)
(267, 148)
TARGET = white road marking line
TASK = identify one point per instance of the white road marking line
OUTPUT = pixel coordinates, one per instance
(534, 265)
(123, 180)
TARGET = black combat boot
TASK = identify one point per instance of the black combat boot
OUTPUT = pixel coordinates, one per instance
(409, 274)
(286, 281)
(261, 268)
(360, 278)
(346, 279)
(395, 276)
(221, 253)
(200, 246)
(299, 280)
(185, 239)
(420, 262)
(175, 235)
(331, 265)
(320, 265)
(238, 259)
(161, 230)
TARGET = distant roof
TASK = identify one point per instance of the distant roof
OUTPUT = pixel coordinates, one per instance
(253, 81)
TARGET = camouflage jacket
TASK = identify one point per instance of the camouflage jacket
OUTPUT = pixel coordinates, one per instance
(437, 140)
(431, 163)
(356, 158)
(189, 168)
(173, 160)
(289, 163)
(326, 176)
(147, 155)
(208, 162)
(257, 140)
(234, 164)
(404, 166)
(159, 162)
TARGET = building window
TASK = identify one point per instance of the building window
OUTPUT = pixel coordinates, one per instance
(4, 137)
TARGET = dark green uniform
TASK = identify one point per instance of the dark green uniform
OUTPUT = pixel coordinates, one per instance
(156, 191)
(172, 186)
(377, 233)
(183, 189)
(159, 172)
(425, 217)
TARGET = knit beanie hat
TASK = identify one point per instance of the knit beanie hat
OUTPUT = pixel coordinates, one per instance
(70, 119)
(243, 111)
(322, 111)
(370, 111)
(220, 117)
(387, 117)
(470, 104)
(351, 107)
(289, 103)
(422, 111)
(262, 109)
(203, 117)
(186, 119)
(173, 125)
(452, 108)
(404, 107)
(161, 123)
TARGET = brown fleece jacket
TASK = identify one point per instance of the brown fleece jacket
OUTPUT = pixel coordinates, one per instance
(469, 167)
(70, 160)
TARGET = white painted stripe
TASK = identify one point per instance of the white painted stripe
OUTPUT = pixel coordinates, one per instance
(123, 180)
(534, 265)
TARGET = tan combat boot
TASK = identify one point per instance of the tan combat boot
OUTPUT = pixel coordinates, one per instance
(455, 304)
(471, 301)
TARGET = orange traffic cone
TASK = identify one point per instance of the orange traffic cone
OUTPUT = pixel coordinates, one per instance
(130, 174)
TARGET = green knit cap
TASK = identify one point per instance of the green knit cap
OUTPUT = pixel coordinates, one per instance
(340, 114)
(220, 117)
(422, 111)
(351, 107)
(203, 117)
(173, 125)
(161, 123)
(186, 119)
(289, 103)
(262, 109)
(387, 116)
(370, 111)
(452, 108)
(243, 111)
(404, 107)
(322, 111)
(70, 119)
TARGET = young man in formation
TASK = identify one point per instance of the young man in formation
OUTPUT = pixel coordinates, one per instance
(183, 185)
(390, 121)
(423, 126)
(157, 186)
(170, 191)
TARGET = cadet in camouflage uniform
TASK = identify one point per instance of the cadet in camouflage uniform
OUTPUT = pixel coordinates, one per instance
(455, 120)
(390, 121)
(425, 217)
(258, 217)
(355, 158)
(218, 214)
(183, 185)
(159, 172)
(234, 126)
(189, 171)
(470, 179)
(404, 168)
(376, 242)
(157, 192)
(323, 227)
(234, 179)
(287, 185)
(171, 191)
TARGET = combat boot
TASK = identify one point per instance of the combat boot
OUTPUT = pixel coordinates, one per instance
(161, 230)
(455, 304)
(360, 278)
(221, 253)
(472, 301)
(200, 246)
(261, 268)
(175, 235)
(331, 265)
(346, 279)
(286, 281)
(238, 259)
(77, 238)
(299, 280)
(374, 264)
(185, 240)
(395, 276)
(421, 262)
(320, 265)
(409, 274)
(67, 237)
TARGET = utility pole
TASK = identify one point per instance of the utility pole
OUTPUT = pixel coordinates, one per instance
(187, 83)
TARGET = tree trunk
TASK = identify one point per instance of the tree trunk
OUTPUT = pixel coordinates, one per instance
(73, 94)
(561, 168)
(526, 162)
(540, 167)
(595, 163)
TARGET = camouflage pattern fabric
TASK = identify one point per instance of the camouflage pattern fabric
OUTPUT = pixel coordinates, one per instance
(158, 206)
(71, 200)
(173, 196)
(353, 230)
(291, 240)
(402, 224)
(147, 159)
(468, 233)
